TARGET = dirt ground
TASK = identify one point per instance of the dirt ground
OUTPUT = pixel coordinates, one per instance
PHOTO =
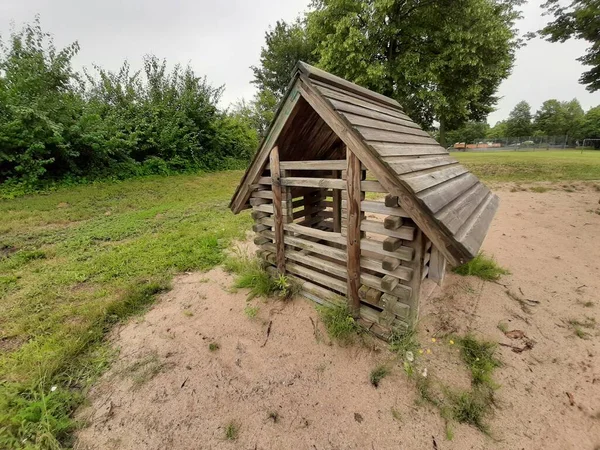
(169, 390)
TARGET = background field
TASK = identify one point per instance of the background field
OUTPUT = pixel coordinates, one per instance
(560, 165)
(75, 261)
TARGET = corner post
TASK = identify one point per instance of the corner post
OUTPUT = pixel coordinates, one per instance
(277, 208)
(353, 235)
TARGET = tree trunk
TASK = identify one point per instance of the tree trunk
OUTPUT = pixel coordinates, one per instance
(442, 133)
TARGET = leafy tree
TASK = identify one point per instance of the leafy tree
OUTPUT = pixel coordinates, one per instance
(518, 123)
(556, 118)
(441, 60)
(259, 112)
(498, 131)
(590, 127)
(579, 20)
(286, 44)
(469, 133)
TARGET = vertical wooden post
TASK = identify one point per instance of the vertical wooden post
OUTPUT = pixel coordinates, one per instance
(437, 266)
(418, 243)
(277, 210)
(337, 205)
(353, 175)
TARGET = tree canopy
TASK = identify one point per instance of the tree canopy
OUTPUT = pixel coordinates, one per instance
(578, 20)
(519, 121)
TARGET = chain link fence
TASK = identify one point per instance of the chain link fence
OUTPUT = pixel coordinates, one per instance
(522, 143)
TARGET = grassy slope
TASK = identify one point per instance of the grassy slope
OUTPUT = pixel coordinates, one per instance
(74, 261)
(533, 166)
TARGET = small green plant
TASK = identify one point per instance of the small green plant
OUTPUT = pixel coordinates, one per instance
(274, 416)
(480, 358)
(502, 326)
(144, 369)
(214, 346)
(338, 321)
(396, 414)
(378, 374)
(187, 313)
(232, 431)
(483, 267)
(251, 311)
(286, 288)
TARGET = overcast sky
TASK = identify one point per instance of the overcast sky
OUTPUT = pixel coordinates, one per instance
(222, 39)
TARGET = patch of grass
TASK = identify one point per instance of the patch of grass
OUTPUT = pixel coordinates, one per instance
(378, 374)
(483, 267)
(251, 311)
(470, 407)
(250, 274)
(274, 416)
(524, 166)
(479, 356)
(397, 415)
(539, 189)
(404, 341)
(502, 326)
(214, 346)
(232, 431)
(69, 274)
(338, 321)
(188, 313)
(286, 288)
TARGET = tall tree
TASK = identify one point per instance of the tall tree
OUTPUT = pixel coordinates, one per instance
(590, 128)
(579, 20)
(518, 123)
(556, 118)
(469, 133)
(442, 60)
(285, 45)
(498, 131)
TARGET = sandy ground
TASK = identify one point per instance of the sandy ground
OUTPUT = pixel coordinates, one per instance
(169, 391)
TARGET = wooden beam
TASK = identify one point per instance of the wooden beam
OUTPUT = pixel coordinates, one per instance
(277, 210)
(314, 165)
(353, 237)
(437, 266)
(337, 205)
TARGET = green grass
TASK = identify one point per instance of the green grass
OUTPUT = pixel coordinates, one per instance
(378, 374)
(75, 261)
(339, 322)
(555, 165)
(483, 267)
(214, 346)
(251, 311)
(479, 356)
(250, 274)
(232, 431)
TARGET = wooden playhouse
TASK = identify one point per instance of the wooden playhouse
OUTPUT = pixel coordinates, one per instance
(352, 199)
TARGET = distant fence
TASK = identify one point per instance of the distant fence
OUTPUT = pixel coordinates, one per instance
(522, 143)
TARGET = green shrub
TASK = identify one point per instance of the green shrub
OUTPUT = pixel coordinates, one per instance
(338, 321)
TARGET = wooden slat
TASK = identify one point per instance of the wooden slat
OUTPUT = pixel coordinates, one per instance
(262, 194)
(405, 232)
(413, 165)
(389, 282)
(348, 109)
(382, 125)
(372, 186)
(277, 209)
(259, 201)
(314, 165)
(343, 97)
(391, 244)
(324, 235)
(353, 176)
(314, 182)
(472, 233)
(418, 244)
(388, 149)
(456, 213)
(337, 205)
(372, 134)
(266, 208)
(424, 180)
(441, 195)
(380, 208)
(404, 253)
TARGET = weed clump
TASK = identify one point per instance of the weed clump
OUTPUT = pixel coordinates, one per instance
(338, 321)
(470, 407)
(214, 346)
(483, 267)
(480, 358)
(232, 431)
(403, 341)
(251, 311)
(378, 374)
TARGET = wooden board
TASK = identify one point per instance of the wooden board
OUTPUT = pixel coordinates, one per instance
(314, 165)
(420, 181)
(277, 209)
(437, 266)
(389, 149)
(373, 134)
(314, 182)
(353, 176)
(405, 232)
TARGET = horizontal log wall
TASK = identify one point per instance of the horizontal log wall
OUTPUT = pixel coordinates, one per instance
(393, 257)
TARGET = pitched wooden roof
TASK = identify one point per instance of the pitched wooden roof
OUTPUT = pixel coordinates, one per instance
(452, 207)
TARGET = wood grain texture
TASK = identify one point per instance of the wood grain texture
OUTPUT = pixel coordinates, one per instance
(277, 209)
(353, 176)
(437, 267)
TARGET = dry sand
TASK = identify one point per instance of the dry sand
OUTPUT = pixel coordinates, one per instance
(169, 391)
